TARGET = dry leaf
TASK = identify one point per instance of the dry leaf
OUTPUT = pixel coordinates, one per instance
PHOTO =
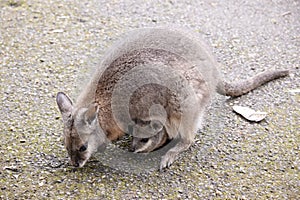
(294, 91)
(249, 113)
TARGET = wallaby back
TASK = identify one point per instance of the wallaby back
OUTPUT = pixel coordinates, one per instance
(141, 52)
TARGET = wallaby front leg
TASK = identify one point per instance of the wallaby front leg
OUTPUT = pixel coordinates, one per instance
(172, 154)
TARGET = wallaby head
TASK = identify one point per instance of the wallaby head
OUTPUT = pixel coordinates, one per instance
(156, 133)
(146, 145)
(82, 133)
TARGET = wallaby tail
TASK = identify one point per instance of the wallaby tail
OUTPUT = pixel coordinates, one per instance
(242, 87)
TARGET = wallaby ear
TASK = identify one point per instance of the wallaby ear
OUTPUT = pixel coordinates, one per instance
(91, 114)
(64, 103)
(156, 125)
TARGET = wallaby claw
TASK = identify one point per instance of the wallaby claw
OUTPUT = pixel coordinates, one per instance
(168, 159)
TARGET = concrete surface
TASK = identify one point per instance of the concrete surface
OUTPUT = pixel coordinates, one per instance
(50, 46)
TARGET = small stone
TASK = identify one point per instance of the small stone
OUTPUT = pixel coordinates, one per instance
(22, 140)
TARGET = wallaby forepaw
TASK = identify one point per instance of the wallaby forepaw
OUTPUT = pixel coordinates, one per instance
(167, 159)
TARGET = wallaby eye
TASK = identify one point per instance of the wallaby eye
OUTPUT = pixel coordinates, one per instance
(144, 140)
(83, 148)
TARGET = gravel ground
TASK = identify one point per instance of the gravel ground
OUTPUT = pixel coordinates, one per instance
(50, 46)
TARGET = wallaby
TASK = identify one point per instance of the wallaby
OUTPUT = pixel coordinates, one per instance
(155, 83)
